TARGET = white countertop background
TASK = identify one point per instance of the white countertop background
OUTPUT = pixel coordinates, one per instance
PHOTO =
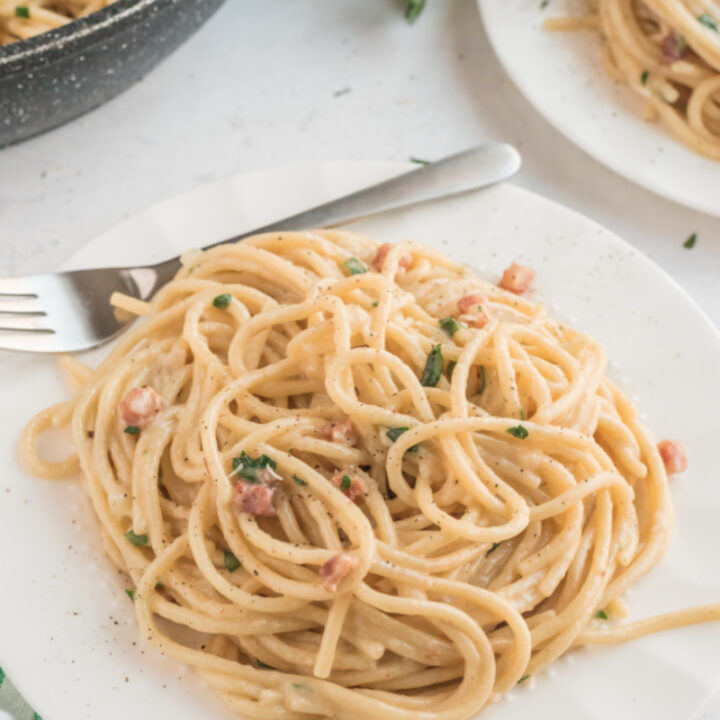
(255, 88)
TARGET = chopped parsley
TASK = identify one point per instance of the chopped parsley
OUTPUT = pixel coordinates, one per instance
(248, 468)
(303, 688)
(433, 367)
(708, 21)
(601, 615)
(345, 482)
(523, 679)
(132, 430)
(419, 161)
(339, 93)
(231, 562)
(481, 379)
(136, 540)
(494, 547)
(518, 431)
(355, 266)
(544, 4)
(130, 594)
(265, 666)
(222, 301)
(690, 242)
(450, 325)
(644, 77)
(375, 304)
(522, 412)
(22, 11)
(413, 8)
(395, 433)
(299, 481)
(450, 367)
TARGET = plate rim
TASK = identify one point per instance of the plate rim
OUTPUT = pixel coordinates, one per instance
(568, 131)
(384, 166)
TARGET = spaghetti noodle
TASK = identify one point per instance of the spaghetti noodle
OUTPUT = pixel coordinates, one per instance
(668, 52)
(364, 482)
(22, 19)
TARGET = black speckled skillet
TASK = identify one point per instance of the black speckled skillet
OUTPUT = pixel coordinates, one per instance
(56, 76)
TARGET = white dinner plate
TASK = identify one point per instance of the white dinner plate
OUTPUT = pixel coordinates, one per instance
(68, 636)
(561, 74)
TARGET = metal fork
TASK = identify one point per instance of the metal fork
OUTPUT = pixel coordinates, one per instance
(71, 311)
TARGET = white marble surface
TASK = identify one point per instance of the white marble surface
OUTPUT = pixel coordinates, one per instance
(259, 85)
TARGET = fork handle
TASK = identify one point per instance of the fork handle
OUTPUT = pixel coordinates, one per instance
(469, 170)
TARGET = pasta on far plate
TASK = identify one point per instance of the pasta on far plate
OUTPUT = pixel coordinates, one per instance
(668, 52)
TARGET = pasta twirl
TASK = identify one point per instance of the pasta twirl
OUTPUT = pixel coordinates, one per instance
(667, 51)
(364, 482)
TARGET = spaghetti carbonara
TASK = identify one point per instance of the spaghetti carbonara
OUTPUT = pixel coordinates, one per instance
(360, 482)
(21, 19)
(667, 51)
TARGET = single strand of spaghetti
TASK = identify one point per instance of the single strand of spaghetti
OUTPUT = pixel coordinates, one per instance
(28, 455)
(333, 629)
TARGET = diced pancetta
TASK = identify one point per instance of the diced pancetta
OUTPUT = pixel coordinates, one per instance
(336, 569)
(381, 255)
(341, 431)
(140, 406)
(673, 48)
(473, 310)
(353, 488)
(517, 278)
(674, 456)
(256, 500)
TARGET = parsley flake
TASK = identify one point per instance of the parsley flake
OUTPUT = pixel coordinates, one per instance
(419, 161)
(433, 367)
(709, 22)
(601, 615)
(222, 301)
(130, 594)
(343, 91)
(413, 8)
(265, 666)
(450, 367)
(518, 431)
(494, 547)
(644, 77)
(395, 433)
(248, 468)
(136, 540)
(231, 562)
(481, 379)
(132, 430)
(299, 481)
(303, 688)
(450, 325)
(355, 266)
(544, 4)
(523, 679)
(22, 11)
(690, 242)
(345, 483)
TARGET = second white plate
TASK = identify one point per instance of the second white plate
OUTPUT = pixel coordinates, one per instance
(561, 74)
